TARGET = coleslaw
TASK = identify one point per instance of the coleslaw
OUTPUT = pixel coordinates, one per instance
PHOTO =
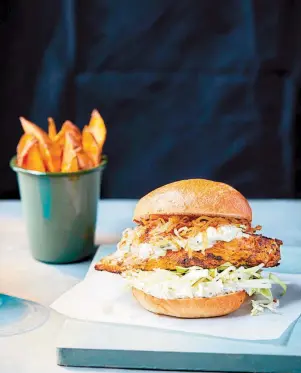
(197, 282)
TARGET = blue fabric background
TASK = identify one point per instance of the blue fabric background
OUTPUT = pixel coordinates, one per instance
(190, 88)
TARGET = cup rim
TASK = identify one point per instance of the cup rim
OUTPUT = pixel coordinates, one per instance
(16, 168)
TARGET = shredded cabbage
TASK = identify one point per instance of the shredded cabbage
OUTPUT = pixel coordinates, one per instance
(196, 282)
(258, 306)
(276, 280)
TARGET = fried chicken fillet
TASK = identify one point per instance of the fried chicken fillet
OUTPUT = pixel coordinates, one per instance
(253, 251)
(244, 251)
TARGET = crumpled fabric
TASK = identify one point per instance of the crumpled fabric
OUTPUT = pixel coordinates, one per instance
(188, 89)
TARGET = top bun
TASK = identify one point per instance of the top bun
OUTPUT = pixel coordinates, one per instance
(194, 197)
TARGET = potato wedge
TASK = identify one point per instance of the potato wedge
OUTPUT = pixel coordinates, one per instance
(33, 129)
(25, 143)
(33, 160)
(50, 152)
(52, 155)
(74, 138)
(51, 129)
(84, 161)
(67, 127)
(98, 128)
(90, 146)
(69, 162)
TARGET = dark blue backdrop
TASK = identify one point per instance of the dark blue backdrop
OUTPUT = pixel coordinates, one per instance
(187, 88)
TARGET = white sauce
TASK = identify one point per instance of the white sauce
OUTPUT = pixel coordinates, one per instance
(200, 242)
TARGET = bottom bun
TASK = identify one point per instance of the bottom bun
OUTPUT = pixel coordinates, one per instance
(191, 308)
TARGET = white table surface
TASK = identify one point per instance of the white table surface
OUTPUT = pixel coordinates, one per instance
(22, 276)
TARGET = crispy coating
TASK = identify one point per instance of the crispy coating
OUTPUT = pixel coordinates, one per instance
(248, 251)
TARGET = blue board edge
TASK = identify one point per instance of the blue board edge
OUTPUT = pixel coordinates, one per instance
(180, 361)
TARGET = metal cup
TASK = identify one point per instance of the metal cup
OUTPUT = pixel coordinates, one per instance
(60, 211)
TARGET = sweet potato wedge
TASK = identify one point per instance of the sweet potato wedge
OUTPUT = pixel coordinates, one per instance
(33, 160)
(25, 143)
(84, 161)
(33, 129)
(70, 128)
(90, 146)
(51, 129)
(97, 128)
(69, 162)
(50, 152)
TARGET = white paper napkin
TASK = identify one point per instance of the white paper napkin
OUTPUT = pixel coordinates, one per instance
(105, 297)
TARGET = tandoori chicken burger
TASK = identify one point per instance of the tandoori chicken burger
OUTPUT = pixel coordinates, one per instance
(194, 252)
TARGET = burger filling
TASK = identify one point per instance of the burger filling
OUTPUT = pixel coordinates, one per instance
(153, 237)
(206, 242)
(195, 282)
(177, 257)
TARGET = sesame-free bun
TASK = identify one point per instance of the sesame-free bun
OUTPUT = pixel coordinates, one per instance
(191, 308)
(194, 197)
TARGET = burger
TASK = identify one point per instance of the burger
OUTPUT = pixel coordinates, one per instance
(194, 252)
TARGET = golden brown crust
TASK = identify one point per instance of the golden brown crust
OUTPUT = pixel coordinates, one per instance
(191, 308)
(194, 197)
(248, 252)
